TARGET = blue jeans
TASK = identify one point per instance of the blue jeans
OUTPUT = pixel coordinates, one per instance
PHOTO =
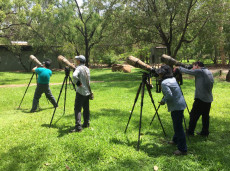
(179, 135)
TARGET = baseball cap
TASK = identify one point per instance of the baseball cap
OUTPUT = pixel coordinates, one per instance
(47, 63)
(80, 58)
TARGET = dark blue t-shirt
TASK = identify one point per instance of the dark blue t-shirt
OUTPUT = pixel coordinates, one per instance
(44, 75)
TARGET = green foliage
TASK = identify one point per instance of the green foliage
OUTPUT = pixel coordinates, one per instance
(27, 142)
(109, 58)
(109, 28)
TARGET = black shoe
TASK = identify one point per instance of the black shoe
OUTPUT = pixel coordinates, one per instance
(85, 125)
(171, 142)
(179, 153)
(75, 130)
(202, 134)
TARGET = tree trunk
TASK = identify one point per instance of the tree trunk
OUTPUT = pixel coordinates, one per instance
(222, 54)
(228, 76)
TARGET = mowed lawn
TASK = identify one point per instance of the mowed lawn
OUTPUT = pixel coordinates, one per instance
(28, 143)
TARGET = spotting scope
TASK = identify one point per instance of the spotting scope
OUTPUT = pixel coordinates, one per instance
(170, 61)
(66, 62)
(35, 60)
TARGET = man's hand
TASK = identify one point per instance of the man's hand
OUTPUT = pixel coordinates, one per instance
(175, 68)
(161, 103)
(79, 84)
(34, 69)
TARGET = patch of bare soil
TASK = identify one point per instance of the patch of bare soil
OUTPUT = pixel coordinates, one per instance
(33, 84)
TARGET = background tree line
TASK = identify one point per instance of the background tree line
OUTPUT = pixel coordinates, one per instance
(107, 31)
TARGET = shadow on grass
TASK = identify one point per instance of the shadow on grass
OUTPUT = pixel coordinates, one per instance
(62, 129)
(26, 156)
(5, 80)
(38, 110)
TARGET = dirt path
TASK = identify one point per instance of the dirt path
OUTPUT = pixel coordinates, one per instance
(33, 84)
(212, 69)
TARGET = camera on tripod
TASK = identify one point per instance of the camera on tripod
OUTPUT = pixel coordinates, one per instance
(65, 61)
(176, 73)
(35, 60)
(151, 72)
(68, 65)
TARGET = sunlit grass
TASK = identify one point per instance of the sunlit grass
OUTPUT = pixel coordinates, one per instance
(27, 142)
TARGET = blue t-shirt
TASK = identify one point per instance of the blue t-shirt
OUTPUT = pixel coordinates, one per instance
(44, 75)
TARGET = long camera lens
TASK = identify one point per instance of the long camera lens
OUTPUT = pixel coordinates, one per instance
(170, 61)
(65, 61)
(138, 63)
(35, 60)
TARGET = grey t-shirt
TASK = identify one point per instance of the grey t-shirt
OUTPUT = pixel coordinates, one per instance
(203, 83)
(80, 75)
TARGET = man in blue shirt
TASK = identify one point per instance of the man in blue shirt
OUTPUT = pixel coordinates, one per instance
(44, 75)
(176, 105)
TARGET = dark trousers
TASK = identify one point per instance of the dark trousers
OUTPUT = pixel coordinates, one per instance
(199, 108)
(43, 88)
(81, 102)
(179, 135)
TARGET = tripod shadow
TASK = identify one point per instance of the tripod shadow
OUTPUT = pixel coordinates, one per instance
(153, 149)
(39, 110)
(62, 129)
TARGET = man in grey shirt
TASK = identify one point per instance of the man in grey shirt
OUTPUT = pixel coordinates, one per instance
(81, 77)
(203, 97)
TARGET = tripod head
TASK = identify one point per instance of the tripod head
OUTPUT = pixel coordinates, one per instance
(67, 71)
(146, 77)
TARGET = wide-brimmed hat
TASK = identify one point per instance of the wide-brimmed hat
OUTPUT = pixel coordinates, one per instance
(80, 58)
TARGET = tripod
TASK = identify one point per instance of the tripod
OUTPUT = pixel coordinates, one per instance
(27, 89)
(141, 88)
(67, 72)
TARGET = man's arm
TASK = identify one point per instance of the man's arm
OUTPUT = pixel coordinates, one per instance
(34, 69)
(189, 71)
(167, 93)
(75, 76)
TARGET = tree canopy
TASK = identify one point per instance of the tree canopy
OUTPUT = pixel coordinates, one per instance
(99, 27)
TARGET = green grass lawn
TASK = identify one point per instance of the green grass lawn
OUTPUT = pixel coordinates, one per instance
(27, 142)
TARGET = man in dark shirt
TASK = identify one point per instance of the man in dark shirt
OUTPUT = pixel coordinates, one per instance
(203, 97)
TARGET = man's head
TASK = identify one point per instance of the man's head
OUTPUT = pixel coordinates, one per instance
(80, 58)
(197, 65)
(164, 72)
(46, 64)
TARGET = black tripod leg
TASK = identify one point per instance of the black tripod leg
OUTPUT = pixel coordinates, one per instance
(185, 127)
(188, 113)
(155, 114)
(137, 95)
(150, 94)
(26, 89)
(65, 94)
(142, 103)
(72, 83)
(58, 100)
